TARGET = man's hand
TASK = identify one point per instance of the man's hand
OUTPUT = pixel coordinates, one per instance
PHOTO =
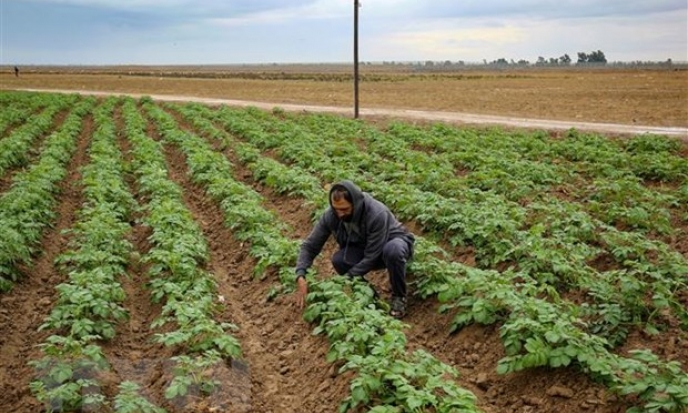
(301, 292)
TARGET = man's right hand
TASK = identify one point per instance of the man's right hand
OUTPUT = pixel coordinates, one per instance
(301, 292)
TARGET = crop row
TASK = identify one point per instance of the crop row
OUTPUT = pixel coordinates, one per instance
(535, 331)
(176, 260)
(548, 333)
(15, 148)
(27, 208)
(549, 255)
(367, 340)
(604, 175)
(17, 108)
(552, 240)
(90, 302)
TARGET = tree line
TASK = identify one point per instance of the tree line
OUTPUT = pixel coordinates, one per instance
(594, 58)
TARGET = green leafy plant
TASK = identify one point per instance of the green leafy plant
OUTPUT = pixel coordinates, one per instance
(192, 375)
(67, 374)
(128, 400)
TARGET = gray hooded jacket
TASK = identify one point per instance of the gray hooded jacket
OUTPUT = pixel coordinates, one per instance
(371, 227)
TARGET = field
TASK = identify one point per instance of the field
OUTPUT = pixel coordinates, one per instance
(148, 251)
(656, 97)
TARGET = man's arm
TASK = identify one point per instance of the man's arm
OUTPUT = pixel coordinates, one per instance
(310, 249)
(311, 246)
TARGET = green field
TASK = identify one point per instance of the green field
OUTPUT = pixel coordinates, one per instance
(167, 234)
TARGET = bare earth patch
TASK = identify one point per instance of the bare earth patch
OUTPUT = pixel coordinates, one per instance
(640, 99)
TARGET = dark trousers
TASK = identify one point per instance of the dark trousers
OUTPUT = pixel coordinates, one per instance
(394, 256)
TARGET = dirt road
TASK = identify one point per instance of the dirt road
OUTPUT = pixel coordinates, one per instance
(450, 117)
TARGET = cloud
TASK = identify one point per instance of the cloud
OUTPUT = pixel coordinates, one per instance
(539, 9)
(308, 11)
(517, 38)
(443, 44)
(189, 8)
(248, 31)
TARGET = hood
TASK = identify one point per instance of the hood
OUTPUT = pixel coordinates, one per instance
(356, 197)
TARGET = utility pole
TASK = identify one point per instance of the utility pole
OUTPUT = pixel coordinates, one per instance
(356, 6)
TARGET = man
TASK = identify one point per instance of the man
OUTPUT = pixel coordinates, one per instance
(369, 238)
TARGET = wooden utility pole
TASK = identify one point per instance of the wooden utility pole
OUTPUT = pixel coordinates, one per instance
(356, 5)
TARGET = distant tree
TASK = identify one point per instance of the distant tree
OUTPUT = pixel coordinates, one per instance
(541, 61)
(597, 57)
(429, 63)
(565, 60)
(523, 62)
(447, 63)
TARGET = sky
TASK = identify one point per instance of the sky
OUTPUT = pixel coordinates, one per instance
(181, 32)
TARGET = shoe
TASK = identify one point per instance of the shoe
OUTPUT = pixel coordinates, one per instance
(398, 307)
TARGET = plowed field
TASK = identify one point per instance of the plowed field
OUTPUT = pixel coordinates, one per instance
(284, 367)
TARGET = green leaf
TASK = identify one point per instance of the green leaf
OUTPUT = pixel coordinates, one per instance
(651, 329)
(552, 336)
(332, 356)
(503, 368)
(175, 389)
(414, 403)
(61, 373)
(559, 360)
(358, 395)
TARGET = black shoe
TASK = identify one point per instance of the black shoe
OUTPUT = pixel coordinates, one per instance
(398, 307)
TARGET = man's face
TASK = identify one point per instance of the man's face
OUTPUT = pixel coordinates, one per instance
(343, 209)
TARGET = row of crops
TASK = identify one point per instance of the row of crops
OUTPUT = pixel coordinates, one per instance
(540, 327)
(574, 242)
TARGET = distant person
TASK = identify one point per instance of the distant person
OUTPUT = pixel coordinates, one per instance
(16, 71)
(369, 238)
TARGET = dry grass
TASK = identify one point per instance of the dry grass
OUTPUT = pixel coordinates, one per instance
(625, 96)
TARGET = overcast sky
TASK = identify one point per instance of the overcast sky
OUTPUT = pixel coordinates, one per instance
(304, 31)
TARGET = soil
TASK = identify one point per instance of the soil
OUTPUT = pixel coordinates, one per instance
(641, 99)
(283, 368)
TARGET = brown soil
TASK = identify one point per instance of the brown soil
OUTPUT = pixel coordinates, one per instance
(620, 96)
(284, 367)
